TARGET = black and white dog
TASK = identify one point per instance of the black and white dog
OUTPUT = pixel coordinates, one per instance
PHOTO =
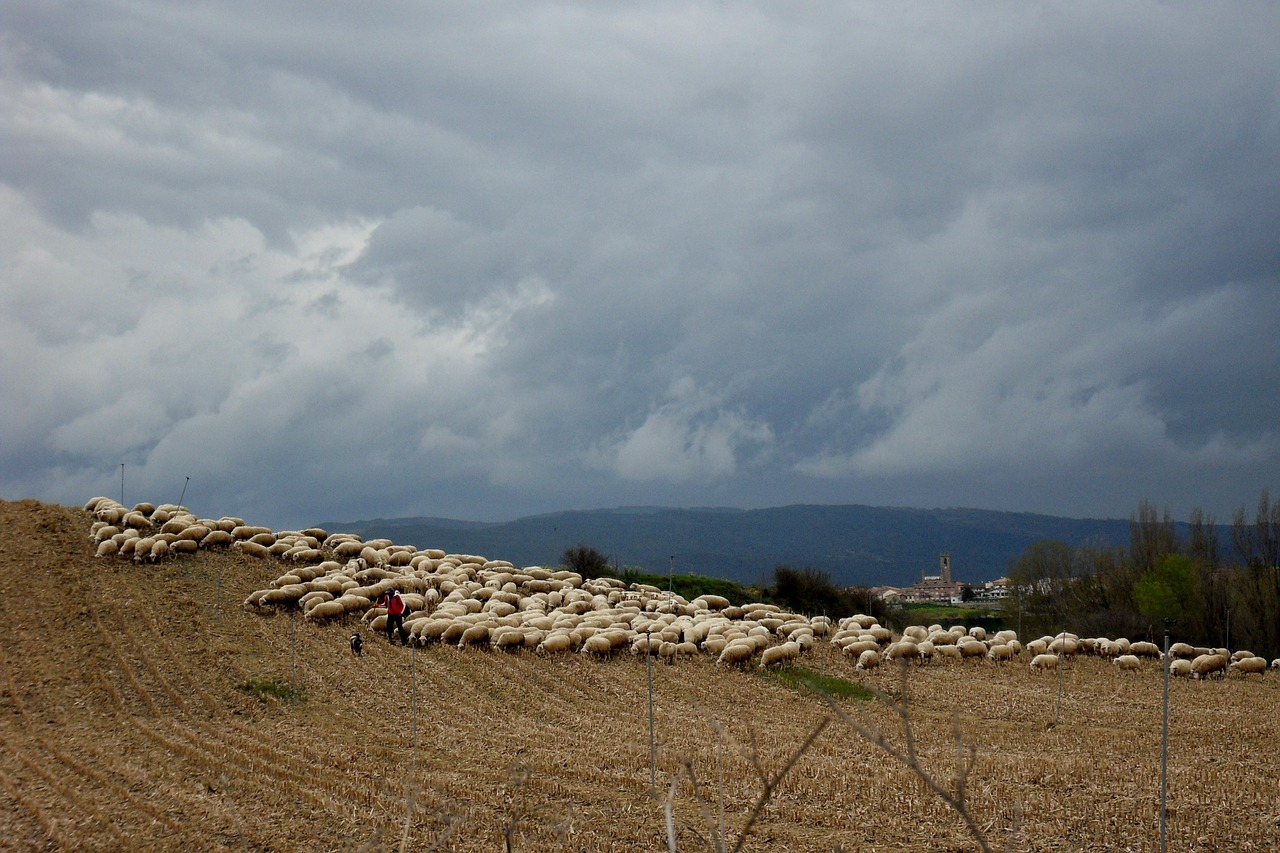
(357, 644)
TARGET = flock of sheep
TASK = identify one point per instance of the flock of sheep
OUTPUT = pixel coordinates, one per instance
(469, 601)
(924, 644)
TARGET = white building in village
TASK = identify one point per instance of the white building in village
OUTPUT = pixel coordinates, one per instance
(940, 587)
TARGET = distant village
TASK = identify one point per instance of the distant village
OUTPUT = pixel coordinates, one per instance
(940, 588)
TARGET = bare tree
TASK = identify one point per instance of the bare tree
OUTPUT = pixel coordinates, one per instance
(956, 795)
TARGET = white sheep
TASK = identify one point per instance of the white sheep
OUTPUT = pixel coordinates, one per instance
(1144, 649)
(1041, 662)
(1251, 665)
(475, 634)
(252, 549)
(787, 651)
(737, 652)
(597, 644)
(949, 652)
(1065, 644)
(1181, 667)
(1127, 662)
(183, 546)
(870, 659)
(556, 641)
(1000, 652)
(326, 610)
(902, 650)
(1206, 665)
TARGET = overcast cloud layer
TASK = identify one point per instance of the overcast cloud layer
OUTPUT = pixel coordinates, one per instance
(482, 260)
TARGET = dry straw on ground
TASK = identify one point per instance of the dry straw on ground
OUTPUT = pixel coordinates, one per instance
(125, 723)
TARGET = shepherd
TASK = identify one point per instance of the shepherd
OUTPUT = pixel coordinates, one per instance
(395, 615)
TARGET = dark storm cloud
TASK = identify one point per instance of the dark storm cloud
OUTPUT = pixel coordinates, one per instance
(487, 259)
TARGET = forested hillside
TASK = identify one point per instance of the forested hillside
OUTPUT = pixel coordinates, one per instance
(854, 544)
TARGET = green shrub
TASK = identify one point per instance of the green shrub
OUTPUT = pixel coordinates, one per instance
(801, 678)
(269, 689)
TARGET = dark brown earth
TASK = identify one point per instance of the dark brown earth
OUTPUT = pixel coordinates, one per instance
(125, 724)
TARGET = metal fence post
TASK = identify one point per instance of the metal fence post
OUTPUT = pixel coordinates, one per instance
(653, 760)
(1164, 746)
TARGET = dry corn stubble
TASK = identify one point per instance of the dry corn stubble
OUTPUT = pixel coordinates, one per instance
(156, 740)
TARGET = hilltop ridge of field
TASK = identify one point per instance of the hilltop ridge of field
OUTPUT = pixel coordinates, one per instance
(139, 710)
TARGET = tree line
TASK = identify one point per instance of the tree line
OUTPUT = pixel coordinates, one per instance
(1216, 592)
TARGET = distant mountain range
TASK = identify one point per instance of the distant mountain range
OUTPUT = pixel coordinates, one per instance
(855, 544)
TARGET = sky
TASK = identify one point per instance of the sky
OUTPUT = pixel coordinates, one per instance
(306, 261)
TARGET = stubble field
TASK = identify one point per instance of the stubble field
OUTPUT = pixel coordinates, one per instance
(126, 724)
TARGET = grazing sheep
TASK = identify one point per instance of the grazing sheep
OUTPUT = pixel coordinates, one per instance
(737, 652)
(1180, 667)
(1182, 650)
(507, 637)
(1066, 645)
(902, 650)
(253, 549)
(1240, 655)
(217, 539)
(870, 659)
(1144, 649)
(1039, 663)
(857, 647)
(326, 610)
(949, 652)
(556, 642)
(1000, 652)
(597, 644)
(1246, 666)
(1127, 662)
(474, 634)
(159, 550)
(646, 644)
(183, 546)
(1108, 648)
(788, 651)
(142, 548)
(1206, 665)
(195, 532)
(136, 519)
